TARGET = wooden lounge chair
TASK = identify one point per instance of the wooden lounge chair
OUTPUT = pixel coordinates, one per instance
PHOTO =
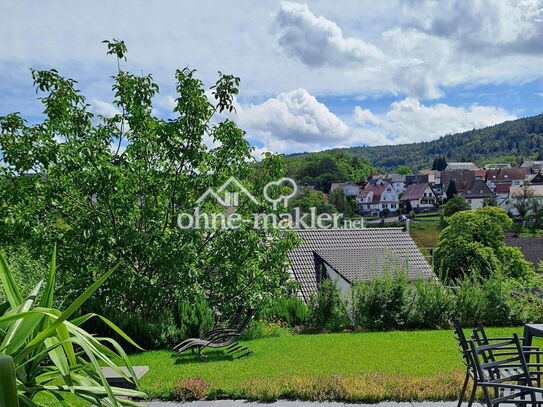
(220, 338)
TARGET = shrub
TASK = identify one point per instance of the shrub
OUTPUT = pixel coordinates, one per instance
(192, 388)
(291, 311)
(262, 329)
(327, 311)
(381, 303)
(430, 305)
(194, 317)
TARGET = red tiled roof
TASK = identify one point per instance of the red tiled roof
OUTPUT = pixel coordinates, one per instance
(479, 173)
(502, 188)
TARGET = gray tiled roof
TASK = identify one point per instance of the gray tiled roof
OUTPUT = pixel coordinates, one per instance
(356, 254)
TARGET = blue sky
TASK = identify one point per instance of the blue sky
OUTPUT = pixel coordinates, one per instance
(314, 75)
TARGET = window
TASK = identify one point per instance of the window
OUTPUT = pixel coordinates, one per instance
(384, 206)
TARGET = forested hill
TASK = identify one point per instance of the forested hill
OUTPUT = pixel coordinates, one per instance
(510, 141)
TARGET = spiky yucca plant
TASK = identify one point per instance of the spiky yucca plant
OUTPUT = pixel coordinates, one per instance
(50, 353)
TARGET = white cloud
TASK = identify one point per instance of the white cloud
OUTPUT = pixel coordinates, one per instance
(363, 116)
(295, 116)
(297, 121)
(409, 121)
(317, 41)
(99, 107)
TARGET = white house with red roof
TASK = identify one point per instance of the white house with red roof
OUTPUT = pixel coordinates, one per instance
(374, 199)
(420, 196)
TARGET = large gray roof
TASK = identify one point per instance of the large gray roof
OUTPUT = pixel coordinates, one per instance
(355, 254)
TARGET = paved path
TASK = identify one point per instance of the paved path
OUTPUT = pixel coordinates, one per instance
(285, 403)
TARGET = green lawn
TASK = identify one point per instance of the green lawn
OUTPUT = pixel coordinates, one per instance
(400, 365)
(354, 367)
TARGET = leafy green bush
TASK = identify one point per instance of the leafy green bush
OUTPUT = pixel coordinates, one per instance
(54, 356)
(194, 317)
(381, 303)
(292, 311)
(430, 305)
(327, 311)
(262, 329)
(160, 333)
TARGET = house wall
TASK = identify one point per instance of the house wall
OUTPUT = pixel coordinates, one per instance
(351, 190)
(345, 288)
(475, 203)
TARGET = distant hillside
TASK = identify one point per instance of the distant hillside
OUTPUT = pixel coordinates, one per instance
(510, 141)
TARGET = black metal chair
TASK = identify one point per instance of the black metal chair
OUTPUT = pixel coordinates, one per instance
(479, 336)
(467, 359)
(494, 368)
(221, 338)
(516, 388)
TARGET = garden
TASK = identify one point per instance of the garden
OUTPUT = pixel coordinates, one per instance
(97, 272)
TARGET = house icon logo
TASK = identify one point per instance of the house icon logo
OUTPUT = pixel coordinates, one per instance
(225, 194)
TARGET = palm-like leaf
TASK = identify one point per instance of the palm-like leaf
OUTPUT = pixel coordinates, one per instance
(42, 342)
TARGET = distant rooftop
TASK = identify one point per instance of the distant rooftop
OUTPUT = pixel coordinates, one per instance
(356, 255)
(461, 166)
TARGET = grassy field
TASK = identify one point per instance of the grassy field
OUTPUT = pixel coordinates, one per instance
(364, 367)
(425, 234)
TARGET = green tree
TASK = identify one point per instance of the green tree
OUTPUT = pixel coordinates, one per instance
(111, 189)
(454, 205)
(310, 198)
(439, 163)
(451, 189)
(404, 169)
(473, 243)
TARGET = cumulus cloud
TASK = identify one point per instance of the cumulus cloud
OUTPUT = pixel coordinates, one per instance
(317, 41)
(99, 107)
(296, 121)
(294, 116)
(408, 120)
(485, 26)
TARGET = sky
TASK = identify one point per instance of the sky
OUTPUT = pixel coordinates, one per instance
(314, 75)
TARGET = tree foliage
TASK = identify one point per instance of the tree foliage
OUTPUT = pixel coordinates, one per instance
(110, 188)
(456, 204)
(473, 243)
(322, 169)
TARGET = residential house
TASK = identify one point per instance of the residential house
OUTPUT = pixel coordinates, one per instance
(534, 179)
(479, 174)
(374, 199)
(502, 193)
(477, 192)
(533, 166)
(517, 194)
(349, 188)
(396, 180)
(416, 179)
(349, 256)
(461, 166)
(434, 176)
(511, 176)
(419, 196)
(461, 178)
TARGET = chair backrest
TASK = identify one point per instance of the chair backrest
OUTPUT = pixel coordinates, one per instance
(245, 321)
(479, 336)
(463, 347)
(235, 319)
(515, 358)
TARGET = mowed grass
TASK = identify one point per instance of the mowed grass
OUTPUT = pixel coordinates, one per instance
(363, 366)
